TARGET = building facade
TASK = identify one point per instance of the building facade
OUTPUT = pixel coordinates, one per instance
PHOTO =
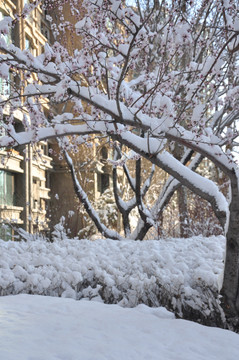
(37, 191)
(24, 176)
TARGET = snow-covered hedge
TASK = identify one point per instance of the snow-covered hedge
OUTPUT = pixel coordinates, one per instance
(181, 274)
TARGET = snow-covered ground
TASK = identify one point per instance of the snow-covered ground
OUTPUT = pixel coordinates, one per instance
(36, 327)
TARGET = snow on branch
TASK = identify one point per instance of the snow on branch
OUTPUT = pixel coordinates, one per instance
(88, 207)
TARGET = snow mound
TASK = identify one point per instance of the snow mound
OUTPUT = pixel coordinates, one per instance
(40, 328)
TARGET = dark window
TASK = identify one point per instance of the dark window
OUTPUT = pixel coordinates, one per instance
(6, 232)
(6, 188)
(104, 153)
(45, 31)
(18, 126)
(103, 182)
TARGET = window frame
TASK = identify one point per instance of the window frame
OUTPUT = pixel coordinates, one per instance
(7, 188)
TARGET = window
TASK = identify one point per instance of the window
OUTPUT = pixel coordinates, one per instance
(6, 232)
(7, 37)
(103, 182)
(44, 149)
(29, 17)
(104, 153)
(28, 45)
(5, 86)
(26, 2)
(35, 204)
(18, 126)
(45, 31)
(6, 188)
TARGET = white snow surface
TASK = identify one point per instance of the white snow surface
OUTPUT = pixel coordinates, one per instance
(34, 327)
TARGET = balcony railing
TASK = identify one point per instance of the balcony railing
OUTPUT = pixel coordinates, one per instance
(11, 213)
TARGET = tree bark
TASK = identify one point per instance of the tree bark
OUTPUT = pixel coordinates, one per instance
(230, 289)
(183, 211)
(181, 198)
(124, 212)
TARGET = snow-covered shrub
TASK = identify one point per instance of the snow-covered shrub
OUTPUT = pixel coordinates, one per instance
(182, 275)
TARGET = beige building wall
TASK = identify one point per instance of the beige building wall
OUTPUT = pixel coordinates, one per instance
(23, 176)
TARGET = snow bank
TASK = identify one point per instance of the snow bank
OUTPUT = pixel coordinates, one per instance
(177, 273)
(47, 328)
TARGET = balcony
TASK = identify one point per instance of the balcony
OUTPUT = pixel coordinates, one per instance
(11, 213)
(44, 193)
(47, 161)
(13, 163)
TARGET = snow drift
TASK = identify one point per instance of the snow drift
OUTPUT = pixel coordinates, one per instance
(50, 328)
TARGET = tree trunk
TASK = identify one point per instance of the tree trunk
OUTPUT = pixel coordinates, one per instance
(181, 198)
(230, 289)
(183, 211)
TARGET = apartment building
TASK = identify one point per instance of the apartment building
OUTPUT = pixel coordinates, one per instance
(35, 192)
(24, 177)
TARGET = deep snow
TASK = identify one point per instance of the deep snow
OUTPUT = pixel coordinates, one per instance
(48, 328)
